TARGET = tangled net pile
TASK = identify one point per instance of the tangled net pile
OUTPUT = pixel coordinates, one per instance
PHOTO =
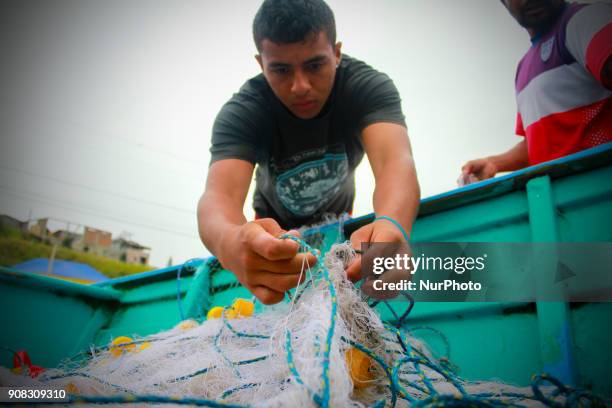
(293, 354)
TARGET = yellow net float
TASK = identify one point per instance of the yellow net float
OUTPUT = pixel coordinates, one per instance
(215, 313)
(71, 388)
(124, 344)
(240, 308)
(120, 345)
(243, 308)
(360, 367)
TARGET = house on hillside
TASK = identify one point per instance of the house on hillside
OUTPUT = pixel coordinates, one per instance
(66, 238)
(129, 251)
(40, 229)
(94, 241)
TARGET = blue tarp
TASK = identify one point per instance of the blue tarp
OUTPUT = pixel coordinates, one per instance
(68, 269)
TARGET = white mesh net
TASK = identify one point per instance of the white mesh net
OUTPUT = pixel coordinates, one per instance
(327, 347)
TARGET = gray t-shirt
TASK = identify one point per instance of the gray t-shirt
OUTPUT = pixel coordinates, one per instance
(305, 167)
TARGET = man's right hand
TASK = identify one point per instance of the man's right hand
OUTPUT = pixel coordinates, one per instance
(265, 264)
(481, 169)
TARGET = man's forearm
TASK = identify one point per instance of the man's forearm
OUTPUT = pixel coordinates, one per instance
(514, 159)
(397, 193)
(217, 215)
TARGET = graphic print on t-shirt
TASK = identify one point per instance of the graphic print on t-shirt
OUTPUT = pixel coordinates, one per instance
(309, 186)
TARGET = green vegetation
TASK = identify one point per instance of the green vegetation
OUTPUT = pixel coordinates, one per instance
(14, 249)
(10, 232)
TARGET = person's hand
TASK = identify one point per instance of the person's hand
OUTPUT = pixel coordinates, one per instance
(481, 169)
(380, 231)
(265, 264)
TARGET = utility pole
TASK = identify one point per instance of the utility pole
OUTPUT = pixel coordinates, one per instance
(52, 258)
(29, 221)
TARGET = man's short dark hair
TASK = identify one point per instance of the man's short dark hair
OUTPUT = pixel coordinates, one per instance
(291, 21)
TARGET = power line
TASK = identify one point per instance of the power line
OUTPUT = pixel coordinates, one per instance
(98, 190)
(49, 201)
(59, 204)
(138, 144)
(74, 141)
(123, 139)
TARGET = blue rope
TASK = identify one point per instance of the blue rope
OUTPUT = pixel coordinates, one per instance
(325, 382)
(207, 369)
(574, 396)
(293, 370)
(243, 334)
(439, 333)
(397, 224)
(239, 388)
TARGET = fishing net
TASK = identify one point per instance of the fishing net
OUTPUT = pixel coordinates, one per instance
(325, 347)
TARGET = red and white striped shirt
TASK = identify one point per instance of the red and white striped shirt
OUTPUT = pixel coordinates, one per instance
(562, 105)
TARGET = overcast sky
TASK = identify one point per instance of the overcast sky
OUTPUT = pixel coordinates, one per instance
(108, 105)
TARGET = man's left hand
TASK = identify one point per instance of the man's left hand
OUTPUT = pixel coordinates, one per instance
(380, 231)
(377, 231)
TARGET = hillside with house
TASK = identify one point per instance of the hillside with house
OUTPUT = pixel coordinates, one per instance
(23, 241)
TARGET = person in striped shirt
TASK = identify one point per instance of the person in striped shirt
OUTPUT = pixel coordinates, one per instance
(563, 85)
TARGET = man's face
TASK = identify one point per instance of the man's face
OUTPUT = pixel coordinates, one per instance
(301, 74)
(533, 14)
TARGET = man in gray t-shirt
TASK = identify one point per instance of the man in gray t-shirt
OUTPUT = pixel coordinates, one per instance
(305, 167)
(304, 123)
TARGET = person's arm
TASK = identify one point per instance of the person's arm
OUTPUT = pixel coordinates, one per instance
(514, 159)
(397, 192)
(266, 265)
(588, 38)
(220, 207)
